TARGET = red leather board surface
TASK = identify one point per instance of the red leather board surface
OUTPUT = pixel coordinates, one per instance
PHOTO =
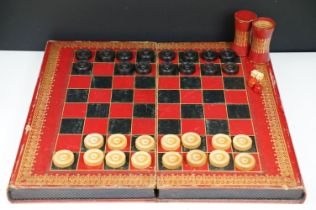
(203, 104)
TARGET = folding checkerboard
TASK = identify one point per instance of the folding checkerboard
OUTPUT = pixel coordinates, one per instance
(68, 105)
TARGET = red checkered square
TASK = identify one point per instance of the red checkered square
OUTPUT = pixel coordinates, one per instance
(191, 96)
(121, 110)
(236, 96)
(121, 82)
(160, 149)
(143, 126)
(210, 148)
(215, 111)
(126, 149)
(150, 168)
(75, 110)
(187, 167)
(70, 142)
(169, 111)
(189, 125)
(93, 125)
(103, 69)
(83, 166)
(172, 82)
(144, 96)
(100, 95)
(79, 82)
(240, 127)
(212, 83)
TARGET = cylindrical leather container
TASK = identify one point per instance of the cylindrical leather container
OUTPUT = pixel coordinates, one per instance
(243, 20)
(262, 30)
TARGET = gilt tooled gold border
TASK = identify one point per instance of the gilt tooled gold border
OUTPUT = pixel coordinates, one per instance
(26, 177)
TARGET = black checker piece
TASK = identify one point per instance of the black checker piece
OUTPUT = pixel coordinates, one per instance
(213, 96)
(190, 83)
(238, 111)
(143, 67)
(123, 167)
(187, 68)
(106, 55)
(83, 54)
(209, 55)
(77, 95)
(167, 55)
(98, 110)
(230, 68)
(145, 82)
(122, 95)
(146, 55)
(228, 55)
(169, 126)
(81, 68)
(124, 55)
(192, 111)
(124, 68)
(189, 56)
(144, 110)
(234, 83)
(71, 126)
(168, 69)
(217, 126)
(101, 82)
(211, 69)
(120, 126)
(168, 96)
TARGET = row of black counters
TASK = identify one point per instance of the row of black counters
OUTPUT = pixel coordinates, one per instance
(190, 68)
(108, 55)
(127, 68)
(187, 68)
(143, 66)
(148, 55)
(226, 55)
(188, 59)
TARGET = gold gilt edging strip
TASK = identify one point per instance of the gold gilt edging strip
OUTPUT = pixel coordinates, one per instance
(25, 176)
(38, 118)
(216, 181)
(193, 45)
(275, 127)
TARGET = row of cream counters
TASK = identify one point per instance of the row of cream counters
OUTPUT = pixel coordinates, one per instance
(170, 160)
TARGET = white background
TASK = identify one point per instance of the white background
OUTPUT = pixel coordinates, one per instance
(296, 77)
